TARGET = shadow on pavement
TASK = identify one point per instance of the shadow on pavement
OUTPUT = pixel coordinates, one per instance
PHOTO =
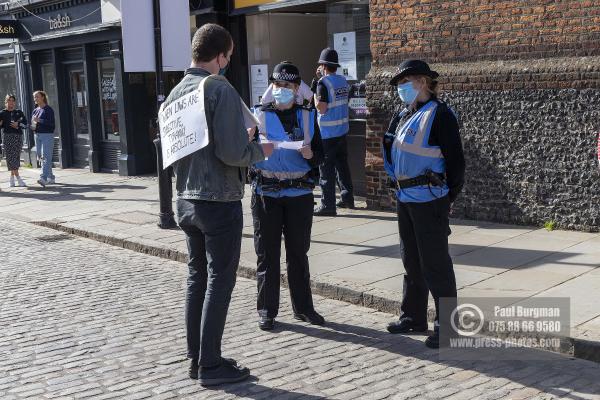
(529, 373)
(251, 389)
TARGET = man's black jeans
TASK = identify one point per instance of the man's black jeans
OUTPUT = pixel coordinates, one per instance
(336, 161)
(291, 216)
(214, 234)
(424, 229)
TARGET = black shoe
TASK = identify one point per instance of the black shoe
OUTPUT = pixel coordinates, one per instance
(406, 325)
(224, 373)
(324, 212)
(266, 323)
(433, 341)
(193, 370)
(343, 204)
(311, 317)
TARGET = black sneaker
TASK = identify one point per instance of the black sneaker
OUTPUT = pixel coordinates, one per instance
(266, 323)
(343, 204)
(194, 367)
(224, 373)
(406, 325)
(312, 317)
(324, 212)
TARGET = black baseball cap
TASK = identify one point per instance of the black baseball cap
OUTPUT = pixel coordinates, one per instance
(412, 67)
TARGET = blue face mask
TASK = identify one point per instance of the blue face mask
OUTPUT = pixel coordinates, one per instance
(223, 70)
(407, 92)
(283, 95)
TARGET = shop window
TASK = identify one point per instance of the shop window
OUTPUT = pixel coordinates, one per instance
(108, 94)
(8, 81)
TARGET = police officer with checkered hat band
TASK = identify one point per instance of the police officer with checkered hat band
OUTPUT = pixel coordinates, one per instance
(331, 101)
(423, 155)
(282, 198)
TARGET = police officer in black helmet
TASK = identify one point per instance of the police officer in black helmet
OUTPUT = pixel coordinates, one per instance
(423, 155)
(331, 101)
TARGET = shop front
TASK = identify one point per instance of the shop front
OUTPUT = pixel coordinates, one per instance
(297, 31)
(103, 115)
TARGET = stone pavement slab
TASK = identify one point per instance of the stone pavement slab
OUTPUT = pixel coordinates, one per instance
(84, 320)
(354, 257)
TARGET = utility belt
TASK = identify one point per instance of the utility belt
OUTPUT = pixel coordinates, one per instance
(276, 185)
(429, 178)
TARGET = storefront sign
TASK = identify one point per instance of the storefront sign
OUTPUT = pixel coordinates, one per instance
(259, 79)
(9, 29)
(345, 44)
(42, 23)
(60, 22)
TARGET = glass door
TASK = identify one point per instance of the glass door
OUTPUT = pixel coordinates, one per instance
(80, 132)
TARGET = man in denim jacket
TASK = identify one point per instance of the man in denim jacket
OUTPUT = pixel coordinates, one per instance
(210, 186)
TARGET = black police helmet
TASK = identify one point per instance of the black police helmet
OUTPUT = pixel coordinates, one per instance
(329, 57)
(286, 71)
(412, 67)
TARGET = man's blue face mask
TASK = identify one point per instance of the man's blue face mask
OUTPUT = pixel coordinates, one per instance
(223, 70)
(407, 92)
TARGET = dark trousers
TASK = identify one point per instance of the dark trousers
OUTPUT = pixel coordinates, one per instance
(424, 229)
(214, 235)
(335, 168)
(291, 216)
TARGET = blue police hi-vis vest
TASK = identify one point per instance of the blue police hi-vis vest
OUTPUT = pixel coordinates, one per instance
(334, 122)
(285, 163)
(412, 156)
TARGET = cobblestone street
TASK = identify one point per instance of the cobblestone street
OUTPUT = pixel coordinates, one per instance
(80, 319)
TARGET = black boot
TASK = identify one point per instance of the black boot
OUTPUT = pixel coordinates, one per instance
(312, 317)
(406, 325)
(266, 323)
(322, 211)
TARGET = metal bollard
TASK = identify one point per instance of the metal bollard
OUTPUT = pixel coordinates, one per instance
(166, 218)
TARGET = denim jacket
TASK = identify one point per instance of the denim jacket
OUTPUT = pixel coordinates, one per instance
(216, 172)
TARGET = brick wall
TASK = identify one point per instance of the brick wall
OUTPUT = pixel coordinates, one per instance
(524, 78)
(443, 31)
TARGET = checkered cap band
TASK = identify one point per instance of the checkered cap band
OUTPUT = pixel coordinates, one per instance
(285, 76)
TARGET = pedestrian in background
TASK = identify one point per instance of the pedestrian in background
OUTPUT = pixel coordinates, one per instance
(423, 154)
(331, 102)
(282, 199)
(210, 186)
(13, 122)
(43, 124)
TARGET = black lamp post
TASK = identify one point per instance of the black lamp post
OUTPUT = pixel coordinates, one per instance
(165, 186)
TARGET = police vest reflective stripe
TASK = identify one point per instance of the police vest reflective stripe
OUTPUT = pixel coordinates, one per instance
(334, 122)
(286, 163)
(412, 155)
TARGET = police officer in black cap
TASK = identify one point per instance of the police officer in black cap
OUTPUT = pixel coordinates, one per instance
(423, 155)
(331, 101)
(282, 198)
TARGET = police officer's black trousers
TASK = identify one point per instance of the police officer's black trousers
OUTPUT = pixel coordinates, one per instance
(291, 216)
(335, 169)
(424, 229)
